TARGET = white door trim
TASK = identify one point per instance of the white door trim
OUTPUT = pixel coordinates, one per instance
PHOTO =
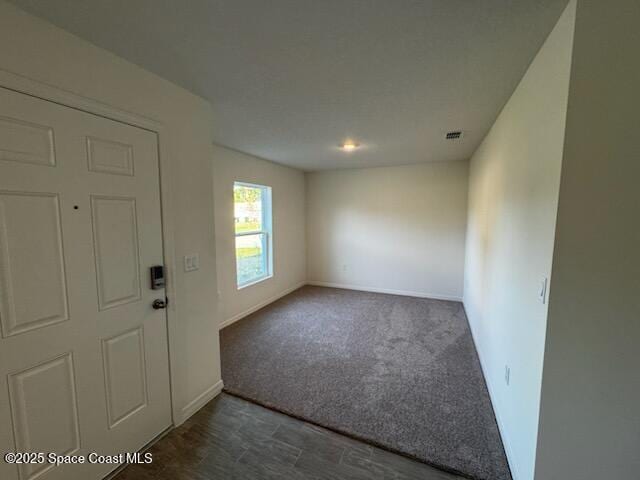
(34, 88)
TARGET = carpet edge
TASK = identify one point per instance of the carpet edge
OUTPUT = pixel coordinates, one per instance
(345, 433)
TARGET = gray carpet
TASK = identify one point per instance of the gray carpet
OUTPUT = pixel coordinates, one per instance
(399, 372)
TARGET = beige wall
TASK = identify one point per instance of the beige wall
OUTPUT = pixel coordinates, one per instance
(590, 409)
(289, 262)
(39, 51)
(394, 229)
(513, 195)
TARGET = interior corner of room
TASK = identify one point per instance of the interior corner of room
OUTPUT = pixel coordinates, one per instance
(386, 242)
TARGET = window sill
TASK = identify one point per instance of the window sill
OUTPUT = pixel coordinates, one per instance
(254, 282)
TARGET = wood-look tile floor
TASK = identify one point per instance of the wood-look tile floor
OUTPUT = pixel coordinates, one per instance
(234, 439)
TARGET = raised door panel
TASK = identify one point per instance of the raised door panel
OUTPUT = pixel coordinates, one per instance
(44, 412)
(107, 156)
(125, 375)
(33, 291)
(26, 142)
(115, 234)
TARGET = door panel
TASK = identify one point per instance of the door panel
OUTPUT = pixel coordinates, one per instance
(26, 142)
(45, 413)
(125, 375)
(31, 260)
(105, 156)
(83, 356)
(115, 238)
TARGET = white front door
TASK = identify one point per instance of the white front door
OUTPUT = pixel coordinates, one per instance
(83, 355)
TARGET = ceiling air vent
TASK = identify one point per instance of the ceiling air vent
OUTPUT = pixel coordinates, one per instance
(455, 135)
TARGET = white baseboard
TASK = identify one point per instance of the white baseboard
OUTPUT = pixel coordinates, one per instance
(257, 307)
(511, 459)
(406, 293)
(201, 400)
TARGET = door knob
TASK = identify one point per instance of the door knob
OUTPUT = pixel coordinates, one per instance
(159, 304)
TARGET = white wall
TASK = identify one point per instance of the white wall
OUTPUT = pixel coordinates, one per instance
(590, 409)
(513, 196)
(40, 51)
(289, 247)
(394, 229)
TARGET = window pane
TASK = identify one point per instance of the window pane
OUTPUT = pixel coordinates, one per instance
(251, 260)
(247, 208)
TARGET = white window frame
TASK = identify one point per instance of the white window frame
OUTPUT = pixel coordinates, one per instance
(266, 232)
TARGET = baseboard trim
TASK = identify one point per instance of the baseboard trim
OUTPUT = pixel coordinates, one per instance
(501, 427)
(260, 305)
(405, 293)
(201, 400)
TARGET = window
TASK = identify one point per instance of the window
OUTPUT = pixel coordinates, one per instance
(252, 215)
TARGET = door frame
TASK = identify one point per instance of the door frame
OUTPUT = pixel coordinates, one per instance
(21, 84)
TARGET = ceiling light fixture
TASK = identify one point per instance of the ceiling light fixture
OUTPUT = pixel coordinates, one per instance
(349, 146)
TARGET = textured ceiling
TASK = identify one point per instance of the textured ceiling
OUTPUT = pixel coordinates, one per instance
(291, 79)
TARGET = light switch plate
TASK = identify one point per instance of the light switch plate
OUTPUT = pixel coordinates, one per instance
(191, 262)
